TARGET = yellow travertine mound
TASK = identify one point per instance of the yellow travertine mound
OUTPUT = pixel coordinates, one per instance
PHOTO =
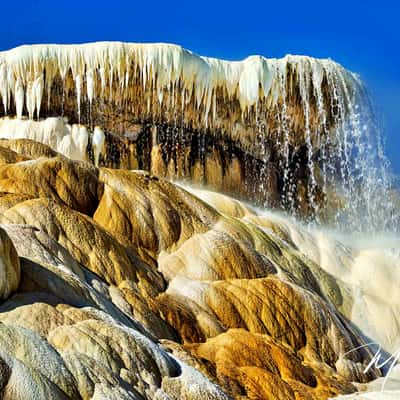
(119, 285)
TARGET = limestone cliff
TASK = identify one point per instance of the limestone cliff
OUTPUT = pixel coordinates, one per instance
(277, 131)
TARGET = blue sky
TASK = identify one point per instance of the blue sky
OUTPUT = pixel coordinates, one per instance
(364, 36)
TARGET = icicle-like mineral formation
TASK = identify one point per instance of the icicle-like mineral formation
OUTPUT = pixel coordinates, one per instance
(276, 130)
(69, 140)
(152, 80)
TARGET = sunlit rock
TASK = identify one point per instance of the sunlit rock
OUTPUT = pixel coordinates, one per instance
(139, 288)
(70, 183)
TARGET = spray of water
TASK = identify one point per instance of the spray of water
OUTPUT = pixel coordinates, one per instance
(346, 161)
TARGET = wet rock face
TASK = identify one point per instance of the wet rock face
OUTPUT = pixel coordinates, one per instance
(210, 159)
(139, 289)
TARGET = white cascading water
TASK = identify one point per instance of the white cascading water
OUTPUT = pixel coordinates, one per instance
(357, 170)
(366, 185)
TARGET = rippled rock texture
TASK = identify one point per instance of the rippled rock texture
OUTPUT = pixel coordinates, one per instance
(117, 284)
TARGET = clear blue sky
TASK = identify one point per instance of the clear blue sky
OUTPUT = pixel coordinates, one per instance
(362, 35)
